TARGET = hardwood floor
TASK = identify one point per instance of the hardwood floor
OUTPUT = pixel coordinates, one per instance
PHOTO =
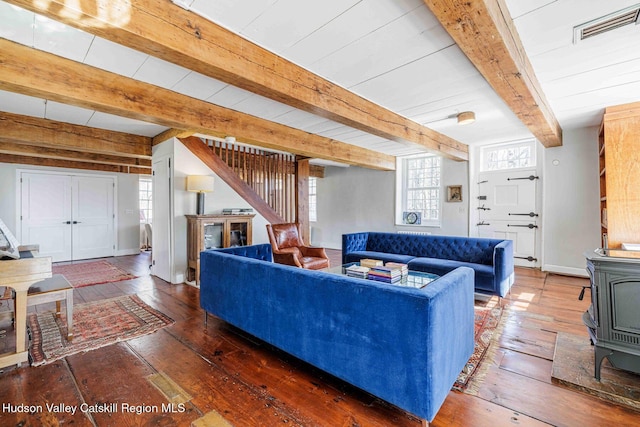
(234, 379)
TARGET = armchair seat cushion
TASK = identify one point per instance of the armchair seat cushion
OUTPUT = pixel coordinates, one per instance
(314, 263)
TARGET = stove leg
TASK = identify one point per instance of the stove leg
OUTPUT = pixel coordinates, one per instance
(600, 354)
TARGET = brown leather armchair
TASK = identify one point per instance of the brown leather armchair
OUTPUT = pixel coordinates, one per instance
(288, 248)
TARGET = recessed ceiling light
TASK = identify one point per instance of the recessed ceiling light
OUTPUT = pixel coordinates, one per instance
(466, 117)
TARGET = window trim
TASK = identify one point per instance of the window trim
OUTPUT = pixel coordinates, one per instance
(401, 192)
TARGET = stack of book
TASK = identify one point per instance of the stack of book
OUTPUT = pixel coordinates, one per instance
(237, 211)
(357, 271)
(385, 274)
(368, 262)
(404, 268)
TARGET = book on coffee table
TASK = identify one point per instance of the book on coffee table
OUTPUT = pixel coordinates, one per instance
(368, 262)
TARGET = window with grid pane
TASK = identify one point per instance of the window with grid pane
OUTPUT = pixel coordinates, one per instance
(509, 156)
(422, 187)
(313, 212)
(145, 200)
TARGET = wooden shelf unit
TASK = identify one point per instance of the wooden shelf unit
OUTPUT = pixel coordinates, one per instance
(620, 175)
(214, 231)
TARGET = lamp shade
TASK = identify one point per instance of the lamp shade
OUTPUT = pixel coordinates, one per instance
(200, 183)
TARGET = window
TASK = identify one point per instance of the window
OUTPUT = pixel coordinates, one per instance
(146, 214)
(509, 156)
(313, 213)
(421, 176)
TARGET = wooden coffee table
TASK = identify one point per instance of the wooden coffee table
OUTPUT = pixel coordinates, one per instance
(54, 289)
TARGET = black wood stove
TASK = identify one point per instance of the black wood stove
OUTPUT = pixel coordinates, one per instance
(613, 319)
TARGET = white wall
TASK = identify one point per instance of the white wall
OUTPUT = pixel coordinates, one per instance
(571, 221)
(186, 163)
(357, 199)
(127, 214)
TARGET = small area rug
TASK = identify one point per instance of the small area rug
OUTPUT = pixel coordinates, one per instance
(486, 323)
(91, 273)
(574, 367)
(95, 324)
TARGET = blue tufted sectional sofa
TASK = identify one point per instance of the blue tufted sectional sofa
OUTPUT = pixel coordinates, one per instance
(403, 345)
(490, 259)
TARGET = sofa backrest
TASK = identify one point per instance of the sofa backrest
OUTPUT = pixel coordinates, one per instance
(468, 249)
(262, 251)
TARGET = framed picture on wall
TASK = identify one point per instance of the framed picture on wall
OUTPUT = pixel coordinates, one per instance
(454, 193)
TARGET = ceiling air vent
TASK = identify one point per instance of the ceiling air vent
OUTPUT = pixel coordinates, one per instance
(606, 23)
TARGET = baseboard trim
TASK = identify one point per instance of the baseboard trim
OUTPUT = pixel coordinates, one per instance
(569, 271)
(122, 252)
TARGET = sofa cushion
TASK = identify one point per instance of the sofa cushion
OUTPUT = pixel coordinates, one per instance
(386, 257)
(483, 273)
(474, 250)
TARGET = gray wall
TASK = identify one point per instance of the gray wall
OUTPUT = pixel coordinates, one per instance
(128, 210)
(357, 199)
(571, 204)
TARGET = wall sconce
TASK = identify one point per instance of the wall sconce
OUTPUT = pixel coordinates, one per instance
(200, 184)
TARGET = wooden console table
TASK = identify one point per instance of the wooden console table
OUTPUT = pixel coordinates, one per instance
(20, 274)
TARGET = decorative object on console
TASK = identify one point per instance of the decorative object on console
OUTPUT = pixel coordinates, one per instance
(288, 248)
(200, 184)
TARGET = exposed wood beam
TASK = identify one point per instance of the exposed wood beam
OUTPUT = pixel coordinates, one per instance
(171, 133)
(8, 147)
(50, 133)
(485, 32)
(39, 161)
(184, 38)
(40, 74)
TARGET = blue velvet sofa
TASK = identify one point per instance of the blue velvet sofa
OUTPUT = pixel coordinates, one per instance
(490, 259)
(403, 345)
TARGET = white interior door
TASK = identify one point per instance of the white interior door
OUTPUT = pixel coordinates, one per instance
(161, 262)
(46, 214)
(508, 210)
(93, 219)
(71, 217)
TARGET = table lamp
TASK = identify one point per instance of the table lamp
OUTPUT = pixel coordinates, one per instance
(200, 184)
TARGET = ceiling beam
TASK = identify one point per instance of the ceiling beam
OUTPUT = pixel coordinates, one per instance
(71, 164)
(36, 73)
(37, 150)
(184, 38)
(486, 34)
(54, 134)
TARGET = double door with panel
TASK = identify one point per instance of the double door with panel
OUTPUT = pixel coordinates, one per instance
(71, 217)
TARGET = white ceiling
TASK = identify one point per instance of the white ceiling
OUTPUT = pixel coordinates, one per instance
(392, 52)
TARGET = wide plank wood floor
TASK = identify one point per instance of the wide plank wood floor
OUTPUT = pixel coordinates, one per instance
(235, 379)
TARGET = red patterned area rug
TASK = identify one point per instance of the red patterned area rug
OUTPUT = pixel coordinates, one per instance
(487, 321)
(95, 324)
(91, 273)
